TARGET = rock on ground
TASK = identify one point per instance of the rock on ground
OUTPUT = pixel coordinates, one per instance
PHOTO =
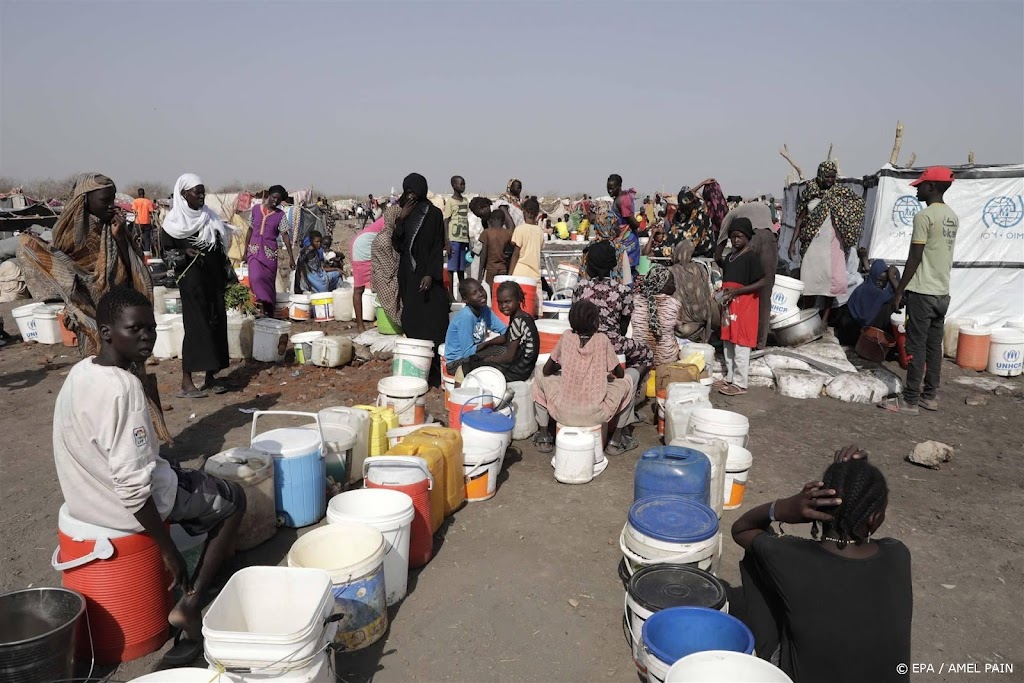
(931, 454)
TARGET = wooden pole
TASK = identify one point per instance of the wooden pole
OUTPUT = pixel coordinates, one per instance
(785, 155)
(970, 158)
(896, 144)
(912, 159)
(828, 157)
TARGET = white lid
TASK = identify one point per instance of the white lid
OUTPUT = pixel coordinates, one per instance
(70, 526)
(487, 380)
(25, 311)
(287, 442)
(273, 325)
(739, 459)
(974, 330)
(299, 298)
(305, 337)
(44, 311)
(1008, 335)
(240, 464)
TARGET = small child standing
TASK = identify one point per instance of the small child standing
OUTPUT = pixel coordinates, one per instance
(456, 222)
(742, 278)
(469, 328)
(515, 352)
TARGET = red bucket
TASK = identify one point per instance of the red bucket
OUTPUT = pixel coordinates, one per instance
(550, 332)
(529, 287)
(411, 476)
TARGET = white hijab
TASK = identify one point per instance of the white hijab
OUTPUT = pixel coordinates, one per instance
(202, 227)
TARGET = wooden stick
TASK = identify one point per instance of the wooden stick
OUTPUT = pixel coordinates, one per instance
(785, 155)
(970, 158)
(896, 144)
(912, 159)
(828, 157)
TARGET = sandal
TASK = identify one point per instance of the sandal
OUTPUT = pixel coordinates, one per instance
(544, 443)
(216, 389)
(625, 445)
(195, 393)
(896, 404)
(182, 653)
(732, 390)
(930, 404)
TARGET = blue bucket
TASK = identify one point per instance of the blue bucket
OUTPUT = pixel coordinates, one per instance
(674, 633)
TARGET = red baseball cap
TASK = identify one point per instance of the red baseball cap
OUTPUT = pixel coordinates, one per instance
(938, 174)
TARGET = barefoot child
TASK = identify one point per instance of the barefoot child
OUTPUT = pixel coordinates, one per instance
(742, 278)
(582, 384)
(456, 223)
(112, 475)
(514, 352)
(469, 328)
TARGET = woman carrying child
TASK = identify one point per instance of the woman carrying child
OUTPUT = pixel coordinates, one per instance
(836, 608)
(582, 383)
(742, 279)
(515, 351)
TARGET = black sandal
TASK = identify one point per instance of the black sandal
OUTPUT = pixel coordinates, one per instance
(182, 653)
(544, 443)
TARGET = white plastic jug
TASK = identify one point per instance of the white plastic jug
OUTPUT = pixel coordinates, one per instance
(718, 453)
(574, 456)
(330, 352)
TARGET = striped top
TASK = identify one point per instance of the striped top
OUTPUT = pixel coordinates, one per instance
(666, 349)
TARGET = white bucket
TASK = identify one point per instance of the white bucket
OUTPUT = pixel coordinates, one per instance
(24, 316)
(786, 294)
(46, 324)
(282, 305)
(178, 334)
(951, 334)
(406, 396)
(185, 675)
(525, 410)
(391, 513)
(299, 307)
(724, 666)
(722, 424)
(1005, 352)
(641, 551)
(270, 340)
(352, 553)
(303, 343)
(574, 455)
(737, 467)
(343, 303)
(323, 306)
(240, 334)
(163, 347)
(480, 467)
(412, 358)
(369, 306)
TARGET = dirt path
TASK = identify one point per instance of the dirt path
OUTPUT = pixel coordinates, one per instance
(494, 604)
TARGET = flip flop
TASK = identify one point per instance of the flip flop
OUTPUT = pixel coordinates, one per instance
(216, 389)
(195, 393)
(898, 405)
(182, 653)
(544, 444)
(732, 390)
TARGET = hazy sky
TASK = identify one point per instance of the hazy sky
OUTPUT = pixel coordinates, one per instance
(349, 97)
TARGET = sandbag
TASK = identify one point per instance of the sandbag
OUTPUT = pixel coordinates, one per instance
(828, 350)
(779, 362)
(758, 368)
(763, 382)
(855, 387)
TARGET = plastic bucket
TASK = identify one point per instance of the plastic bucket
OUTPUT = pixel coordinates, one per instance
(323, 306)
(352, 554)
(303, 343)
(270, 340)
(972, 347)
(391, 513)
(163, 347)
(786, 294)
(669, 530)
(411, 476)
(1006, 352)
(185, 675)
(481, 466)
(385, 325)
(719, 424)
(737, 467)
(722, 666)
(674, 633)
(412, 358)
(406, 396)
(487, 427)
(369, 306)
(550, 331)
(24, 316)
(240, 336)
(663, 586)
(529, 287)
(343, 303)
(468, 399)
(38, 631)
(299, 307)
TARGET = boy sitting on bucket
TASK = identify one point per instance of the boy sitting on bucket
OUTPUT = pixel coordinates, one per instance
(111, 473)
(468, 329)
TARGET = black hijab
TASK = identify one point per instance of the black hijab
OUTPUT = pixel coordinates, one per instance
(416, 184)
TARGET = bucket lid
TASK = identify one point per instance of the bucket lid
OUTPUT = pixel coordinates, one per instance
(402, 387)
(673, 633)
(486, 420)
(1008, 335)
(69, 526)
(661, 586)
(739, 458)
(673, 519)
(488, 380)
(305, 337)
(975, 330)
(240, 464)
(287, 442)
(272, 325)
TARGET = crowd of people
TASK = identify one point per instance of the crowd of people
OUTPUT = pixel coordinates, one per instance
(108, 461)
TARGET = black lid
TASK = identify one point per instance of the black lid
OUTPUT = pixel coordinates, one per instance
(661, 586)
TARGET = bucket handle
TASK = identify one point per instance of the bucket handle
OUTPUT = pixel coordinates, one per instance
(411, 405)
(399, 461)
(478, 467)
(637, 559)
(315, 416)
(498, 407)
(103, 549)
(627, 627)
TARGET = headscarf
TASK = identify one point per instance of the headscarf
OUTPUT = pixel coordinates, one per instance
(694, 226)
(384, 261)
(417, 184)
(714, 200)
(839, 202)
(693, 289)
(200, 226)
(607, 228)
(508, 196)
(867, 300)
(743, 226)
(601, 255)
(651, 286)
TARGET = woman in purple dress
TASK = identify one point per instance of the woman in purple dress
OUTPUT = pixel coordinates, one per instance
(268, 221)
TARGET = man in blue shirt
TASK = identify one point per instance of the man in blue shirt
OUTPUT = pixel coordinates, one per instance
(469, 328)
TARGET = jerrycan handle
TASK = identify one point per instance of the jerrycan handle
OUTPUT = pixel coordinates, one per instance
(315, 416)
(103, 549)
(398, 461)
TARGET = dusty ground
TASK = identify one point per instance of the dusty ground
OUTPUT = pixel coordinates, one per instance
(494, 604)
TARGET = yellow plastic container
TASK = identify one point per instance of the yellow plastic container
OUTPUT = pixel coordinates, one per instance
(436, 464)
(652, 385)
(381, 420)
(449, 441)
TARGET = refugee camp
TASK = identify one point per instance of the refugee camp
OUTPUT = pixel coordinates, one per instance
(432, 342)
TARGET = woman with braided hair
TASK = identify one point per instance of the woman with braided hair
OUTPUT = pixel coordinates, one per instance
(836, 607)
(655, 314)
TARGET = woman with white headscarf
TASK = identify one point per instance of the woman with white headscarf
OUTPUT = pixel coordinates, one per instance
(196, 242)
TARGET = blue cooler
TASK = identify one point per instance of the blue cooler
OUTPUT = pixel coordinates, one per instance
(673, 471)
(300, 474)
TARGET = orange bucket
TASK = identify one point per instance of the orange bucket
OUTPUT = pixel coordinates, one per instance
(470, 399)
(972, 347)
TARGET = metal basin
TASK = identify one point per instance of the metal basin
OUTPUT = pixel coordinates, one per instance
(799, 329)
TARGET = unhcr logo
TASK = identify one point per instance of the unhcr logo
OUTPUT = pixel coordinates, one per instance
(1011, 355)
(1003, 212)
(904, 210)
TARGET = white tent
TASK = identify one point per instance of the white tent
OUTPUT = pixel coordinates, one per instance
(987, 283)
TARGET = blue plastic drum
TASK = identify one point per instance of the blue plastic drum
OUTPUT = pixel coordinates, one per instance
(300, 475)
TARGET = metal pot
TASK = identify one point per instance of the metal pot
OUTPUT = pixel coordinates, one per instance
(801, 329)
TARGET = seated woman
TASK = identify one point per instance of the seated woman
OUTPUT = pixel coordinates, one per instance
(842, 598)
(468, 329)
(656, 313)
(582, 384)
(314, 275)
(514, 352)
(870, 305)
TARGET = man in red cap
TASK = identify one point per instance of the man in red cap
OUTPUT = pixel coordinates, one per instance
(925, 290)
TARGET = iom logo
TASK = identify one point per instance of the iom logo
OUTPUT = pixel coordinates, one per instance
(1003, 212)
(904, 210)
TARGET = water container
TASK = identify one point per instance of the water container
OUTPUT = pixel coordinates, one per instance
(188, 674)
(300, 477)
(524, 409)
(1006, 352)
(241, 329)
(737, 467)
(412, 358)
(303, 345)
(98, 563)
(406, 396)
(450, 443)
(159, 303)
(282, 305)
(253, 470)
(722, 424)
(670, 530)
(672, 470)
(47, 327)
(381, 421)
(270, 340)
(722, 666)
(172, 302)
(972, 347)
(786, 294)
(178, 334)
(951, 333)
(163, 347)
(323, 306)
(385, 325)
(411, 476)
(674, 633)
(574, 456)
(369, 301)
(38, 631)
(330, 352)
(677, 401)
(468, 397)
(24, 317)
(299, 307)
(487, 427)
(343, 303)
(434, 459)
(718, 455)
(550, 331)
(337, 422)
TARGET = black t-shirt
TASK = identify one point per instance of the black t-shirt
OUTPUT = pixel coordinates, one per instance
(845, 620)
(745, 269)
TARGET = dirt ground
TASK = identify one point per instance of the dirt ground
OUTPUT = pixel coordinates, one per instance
(524, 587)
